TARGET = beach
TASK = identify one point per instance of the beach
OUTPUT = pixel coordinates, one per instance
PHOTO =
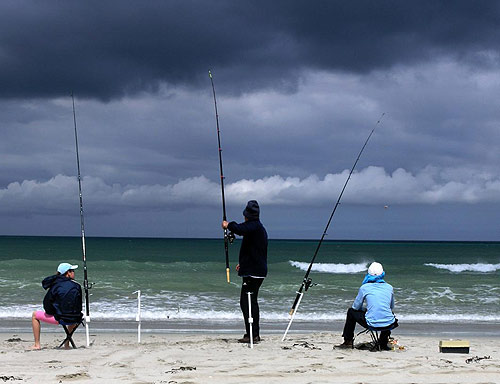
(191, 318)
(219, 358)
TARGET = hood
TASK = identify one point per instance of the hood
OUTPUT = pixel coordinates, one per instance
(373, 279)
(50, 280)
(252, 210)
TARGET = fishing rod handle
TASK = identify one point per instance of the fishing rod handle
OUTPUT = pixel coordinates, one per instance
(297, 298)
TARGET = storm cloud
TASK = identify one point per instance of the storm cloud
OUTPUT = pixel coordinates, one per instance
(299, 85)
(109, 49)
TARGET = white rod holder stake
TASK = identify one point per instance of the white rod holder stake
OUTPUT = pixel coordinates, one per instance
(250, 318)
(293, 315)
(87, 321)
(138, 316)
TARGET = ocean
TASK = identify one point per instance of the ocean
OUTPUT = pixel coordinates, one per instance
(183, 281)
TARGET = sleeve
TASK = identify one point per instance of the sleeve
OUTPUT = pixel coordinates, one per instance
(80, 298)
(392, 300)
(239, 229)
(358, 301)
(48, 301)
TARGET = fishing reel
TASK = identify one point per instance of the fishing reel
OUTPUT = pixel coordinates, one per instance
(308, 283)
(230, 237)
(87, 285)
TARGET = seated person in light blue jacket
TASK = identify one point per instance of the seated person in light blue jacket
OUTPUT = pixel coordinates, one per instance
(379, 298)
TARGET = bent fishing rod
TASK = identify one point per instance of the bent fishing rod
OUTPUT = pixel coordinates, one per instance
(228, 236)
(307, 282)
(86, 285)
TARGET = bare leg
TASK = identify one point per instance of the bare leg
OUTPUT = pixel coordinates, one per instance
(36, 331)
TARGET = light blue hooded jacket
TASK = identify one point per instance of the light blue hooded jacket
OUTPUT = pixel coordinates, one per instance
(379, 298)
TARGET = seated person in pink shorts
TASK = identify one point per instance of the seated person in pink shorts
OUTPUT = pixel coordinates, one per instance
(62, 302)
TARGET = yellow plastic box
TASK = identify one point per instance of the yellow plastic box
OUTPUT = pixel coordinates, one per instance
(454, 346)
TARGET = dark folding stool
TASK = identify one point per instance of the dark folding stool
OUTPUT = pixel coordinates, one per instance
(374, 334)
(65, 321)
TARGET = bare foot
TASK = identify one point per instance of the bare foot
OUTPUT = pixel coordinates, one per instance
(35, 347)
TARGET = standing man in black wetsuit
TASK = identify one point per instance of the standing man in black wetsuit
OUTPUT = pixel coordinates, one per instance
(252, 266)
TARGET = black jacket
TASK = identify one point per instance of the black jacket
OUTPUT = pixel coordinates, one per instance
(253, 251)
(63, 299)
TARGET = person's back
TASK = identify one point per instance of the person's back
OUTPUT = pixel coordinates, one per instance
(253, 251)
(379, 300)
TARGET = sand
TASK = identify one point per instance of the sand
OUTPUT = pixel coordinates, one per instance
(198, 358)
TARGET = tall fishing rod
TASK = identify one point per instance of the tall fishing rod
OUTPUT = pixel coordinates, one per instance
(228, 236)
(307, 282)
(86, 285)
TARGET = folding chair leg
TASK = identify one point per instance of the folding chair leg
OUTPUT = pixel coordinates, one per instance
(375, 340)
(69, 336)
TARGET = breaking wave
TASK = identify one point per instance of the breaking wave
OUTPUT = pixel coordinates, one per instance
(457, 268)
(330, 267)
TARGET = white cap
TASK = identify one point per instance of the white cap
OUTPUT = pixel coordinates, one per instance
(65, 267)
(375, 269)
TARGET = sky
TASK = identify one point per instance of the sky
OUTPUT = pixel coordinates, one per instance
(300, 85)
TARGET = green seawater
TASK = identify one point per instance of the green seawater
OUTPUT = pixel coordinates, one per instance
(185, 279)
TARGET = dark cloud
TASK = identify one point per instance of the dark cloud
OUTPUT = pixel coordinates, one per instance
(108, 49)
(300, 84)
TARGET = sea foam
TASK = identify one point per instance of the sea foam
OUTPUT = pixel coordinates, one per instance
(457, 268)
(330, 267)
(208, 316)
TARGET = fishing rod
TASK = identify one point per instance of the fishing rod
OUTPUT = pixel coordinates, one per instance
(86, 285)
(307, 282)
(228, 236)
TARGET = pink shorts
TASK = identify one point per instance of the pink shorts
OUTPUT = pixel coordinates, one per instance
(42, 316)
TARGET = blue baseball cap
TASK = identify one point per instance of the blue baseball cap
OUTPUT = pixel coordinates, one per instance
(65, 267)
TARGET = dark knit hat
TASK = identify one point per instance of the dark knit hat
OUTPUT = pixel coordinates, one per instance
(252, 210)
